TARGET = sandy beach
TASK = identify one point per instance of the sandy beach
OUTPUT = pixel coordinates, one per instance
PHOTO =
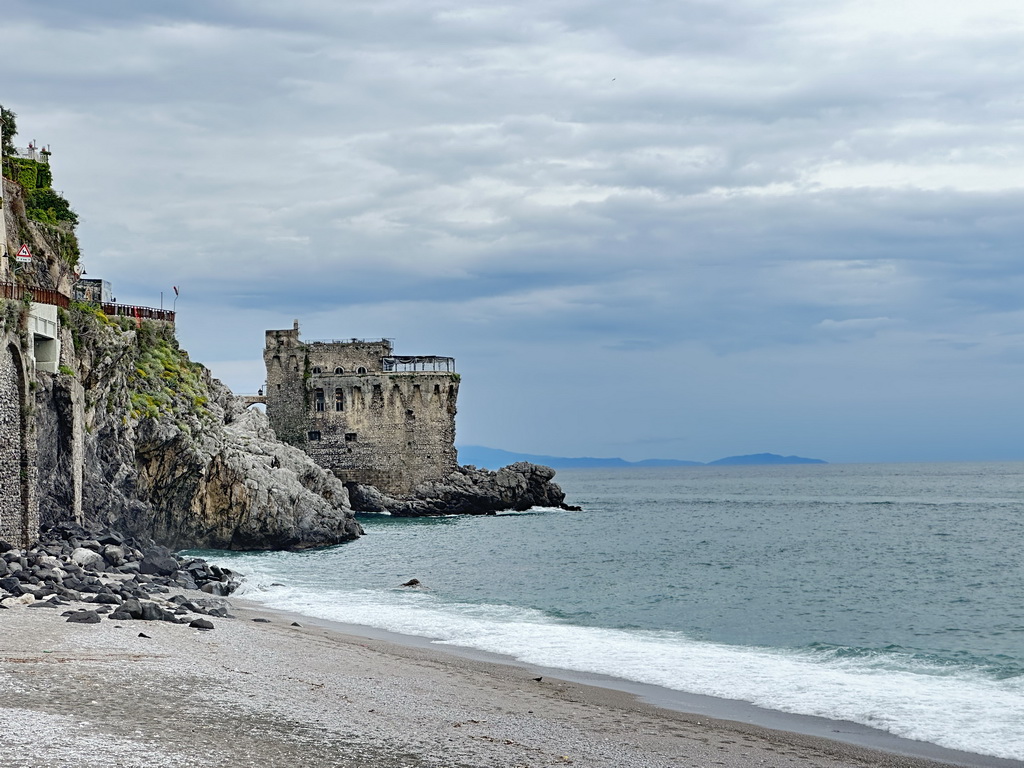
(273, 694)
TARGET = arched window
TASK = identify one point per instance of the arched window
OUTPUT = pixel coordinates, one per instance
(339, 369)
(316, 369)
(339, 400)
(318, 396)
(361, 370)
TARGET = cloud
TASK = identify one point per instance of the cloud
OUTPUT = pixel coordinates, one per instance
(702, 198)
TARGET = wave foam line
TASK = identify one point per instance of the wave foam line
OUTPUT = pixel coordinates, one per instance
(966, 711)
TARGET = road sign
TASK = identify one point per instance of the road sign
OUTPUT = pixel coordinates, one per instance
(24, 254)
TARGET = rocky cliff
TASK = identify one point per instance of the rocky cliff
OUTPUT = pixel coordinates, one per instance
(132, 434)
(169, 453)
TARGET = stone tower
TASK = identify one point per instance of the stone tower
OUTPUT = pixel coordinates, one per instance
(359, 410)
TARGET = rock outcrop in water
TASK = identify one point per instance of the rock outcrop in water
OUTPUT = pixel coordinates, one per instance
(468, 491)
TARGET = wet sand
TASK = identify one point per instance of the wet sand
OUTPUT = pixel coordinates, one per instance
(272, 694)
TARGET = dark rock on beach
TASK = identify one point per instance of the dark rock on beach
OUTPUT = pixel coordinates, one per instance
(114, 575)
(84, 617)
(468, 491)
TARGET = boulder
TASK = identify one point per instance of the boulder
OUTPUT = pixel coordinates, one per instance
(468, 491)
(158, 565)
(84, 617)
(114, 554)
(133, 607)
(85, 558)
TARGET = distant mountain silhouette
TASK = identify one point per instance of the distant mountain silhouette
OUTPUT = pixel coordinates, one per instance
(763, 458)
(493, 458)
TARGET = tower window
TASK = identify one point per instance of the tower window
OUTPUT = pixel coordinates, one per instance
(350, 437)
(316, 369)
(339, 400)
(360, 369)
(339, 369)
(313, 436)
(318, 397)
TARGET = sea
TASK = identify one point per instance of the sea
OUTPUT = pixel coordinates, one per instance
(885, 595)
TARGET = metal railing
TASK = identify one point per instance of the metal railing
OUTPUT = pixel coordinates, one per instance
(349, 341)
(416, 363)
(139, 313)
(32, 153)
(38, 295)
(18, 292)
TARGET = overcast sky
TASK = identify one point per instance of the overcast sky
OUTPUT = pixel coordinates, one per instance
(677, 229)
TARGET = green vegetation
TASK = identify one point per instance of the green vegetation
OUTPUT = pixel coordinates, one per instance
(164, 380)
(49, 207)
(42, 202)
(161, 380)
(10, 129)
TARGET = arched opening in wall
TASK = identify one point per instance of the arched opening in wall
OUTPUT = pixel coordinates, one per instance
(339, 399)
(316, 369)
(318, 399)
(360, 369)
(339, 370)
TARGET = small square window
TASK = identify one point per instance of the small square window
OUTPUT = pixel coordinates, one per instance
(313, 436)
(350, 437)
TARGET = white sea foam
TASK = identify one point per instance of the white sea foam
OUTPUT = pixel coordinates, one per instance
(964, 710)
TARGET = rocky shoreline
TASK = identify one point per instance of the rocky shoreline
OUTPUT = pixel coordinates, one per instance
(96, 573)
(468, 491)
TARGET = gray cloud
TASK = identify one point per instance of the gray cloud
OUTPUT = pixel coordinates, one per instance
(746, 226)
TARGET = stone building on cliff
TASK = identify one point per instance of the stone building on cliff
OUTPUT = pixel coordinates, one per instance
(361, 411)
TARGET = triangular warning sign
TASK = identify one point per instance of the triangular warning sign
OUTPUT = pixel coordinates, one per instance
(24, 254)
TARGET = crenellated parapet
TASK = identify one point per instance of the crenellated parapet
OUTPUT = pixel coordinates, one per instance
(359, 410)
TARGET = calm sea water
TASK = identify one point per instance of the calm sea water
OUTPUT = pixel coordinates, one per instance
(889, 595)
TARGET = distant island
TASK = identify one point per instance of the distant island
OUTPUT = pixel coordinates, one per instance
(493, 458)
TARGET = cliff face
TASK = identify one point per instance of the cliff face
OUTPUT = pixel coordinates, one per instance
(169, 453)
(129, 433)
